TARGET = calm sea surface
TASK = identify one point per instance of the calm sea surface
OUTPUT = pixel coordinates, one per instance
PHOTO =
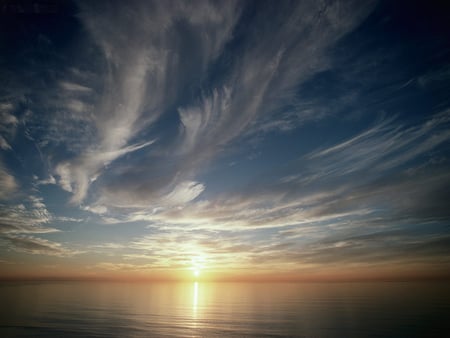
(95, 309)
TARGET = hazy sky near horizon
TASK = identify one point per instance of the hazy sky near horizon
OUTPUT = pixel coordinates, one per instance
(142, 137)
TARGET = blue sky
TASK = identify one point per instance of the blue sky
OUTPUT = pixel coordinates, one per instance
(303, 137)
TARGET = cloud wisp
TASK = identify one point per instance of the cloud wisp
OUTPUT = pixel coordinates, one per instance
(153, 78)
(139, 84)
(323, 216)
(19, 225)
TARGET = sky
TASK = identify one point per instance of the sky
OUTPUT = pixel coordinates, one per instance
(233, 139)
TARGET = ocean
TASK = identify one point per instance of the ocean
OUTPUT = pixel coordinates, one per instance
(99, 309)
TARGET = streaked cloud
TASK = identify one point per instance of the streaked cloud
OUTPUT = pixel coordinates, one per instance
(30, 218)
(19, 225)
(328, 187)
(74, 87)
(37, 246)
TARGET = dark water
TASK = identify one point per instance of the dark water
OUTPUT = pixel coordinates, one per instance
(96, 309)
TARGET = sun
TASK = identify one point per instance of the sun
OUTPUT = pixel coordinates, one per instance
(197, 265)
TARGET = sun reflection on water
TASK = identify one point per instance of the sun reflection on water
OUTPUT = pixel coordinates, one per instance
(195, 299)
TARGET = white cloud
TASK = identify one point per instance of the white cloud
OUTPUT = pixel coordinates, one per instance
(265, 77)
(386, 145)
(123, 266)
(76, 106)
(8, 184)
(4, 144)
(317, 189)
(96, 209)
(6, 106)
(109, 246)
(75, 87)
(140, 83)
(201, 125)
(6, 117)
(64, 179)
(26, 218)
(19, 223)
(76, 176)
(260, 81)
(184, 192)
(68, 219)
(8, 125)
(49, 180)
(38, 246)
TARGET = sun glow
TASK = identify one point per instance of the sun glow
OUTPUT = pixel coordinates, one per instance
(197, 265)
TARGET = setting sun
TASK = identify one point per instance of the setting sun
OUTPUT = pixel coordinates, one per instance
(198, 263)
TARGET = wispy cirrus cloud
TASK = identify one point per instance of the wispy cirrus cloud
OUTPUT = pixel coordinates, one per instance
(30, 218)
(140, 81)
(37, 246)
(323, 190)
(19, 225)
(264, 80)
(319, 215)
(76, 176)
(384, 146)
(224, 250)
(8, 125)
(74, 87)
(8, 184)
(148, 116)
(259, 83)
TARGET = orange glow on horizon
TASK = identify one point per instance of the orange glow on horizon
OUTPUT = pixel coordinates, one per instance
(211, 274)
